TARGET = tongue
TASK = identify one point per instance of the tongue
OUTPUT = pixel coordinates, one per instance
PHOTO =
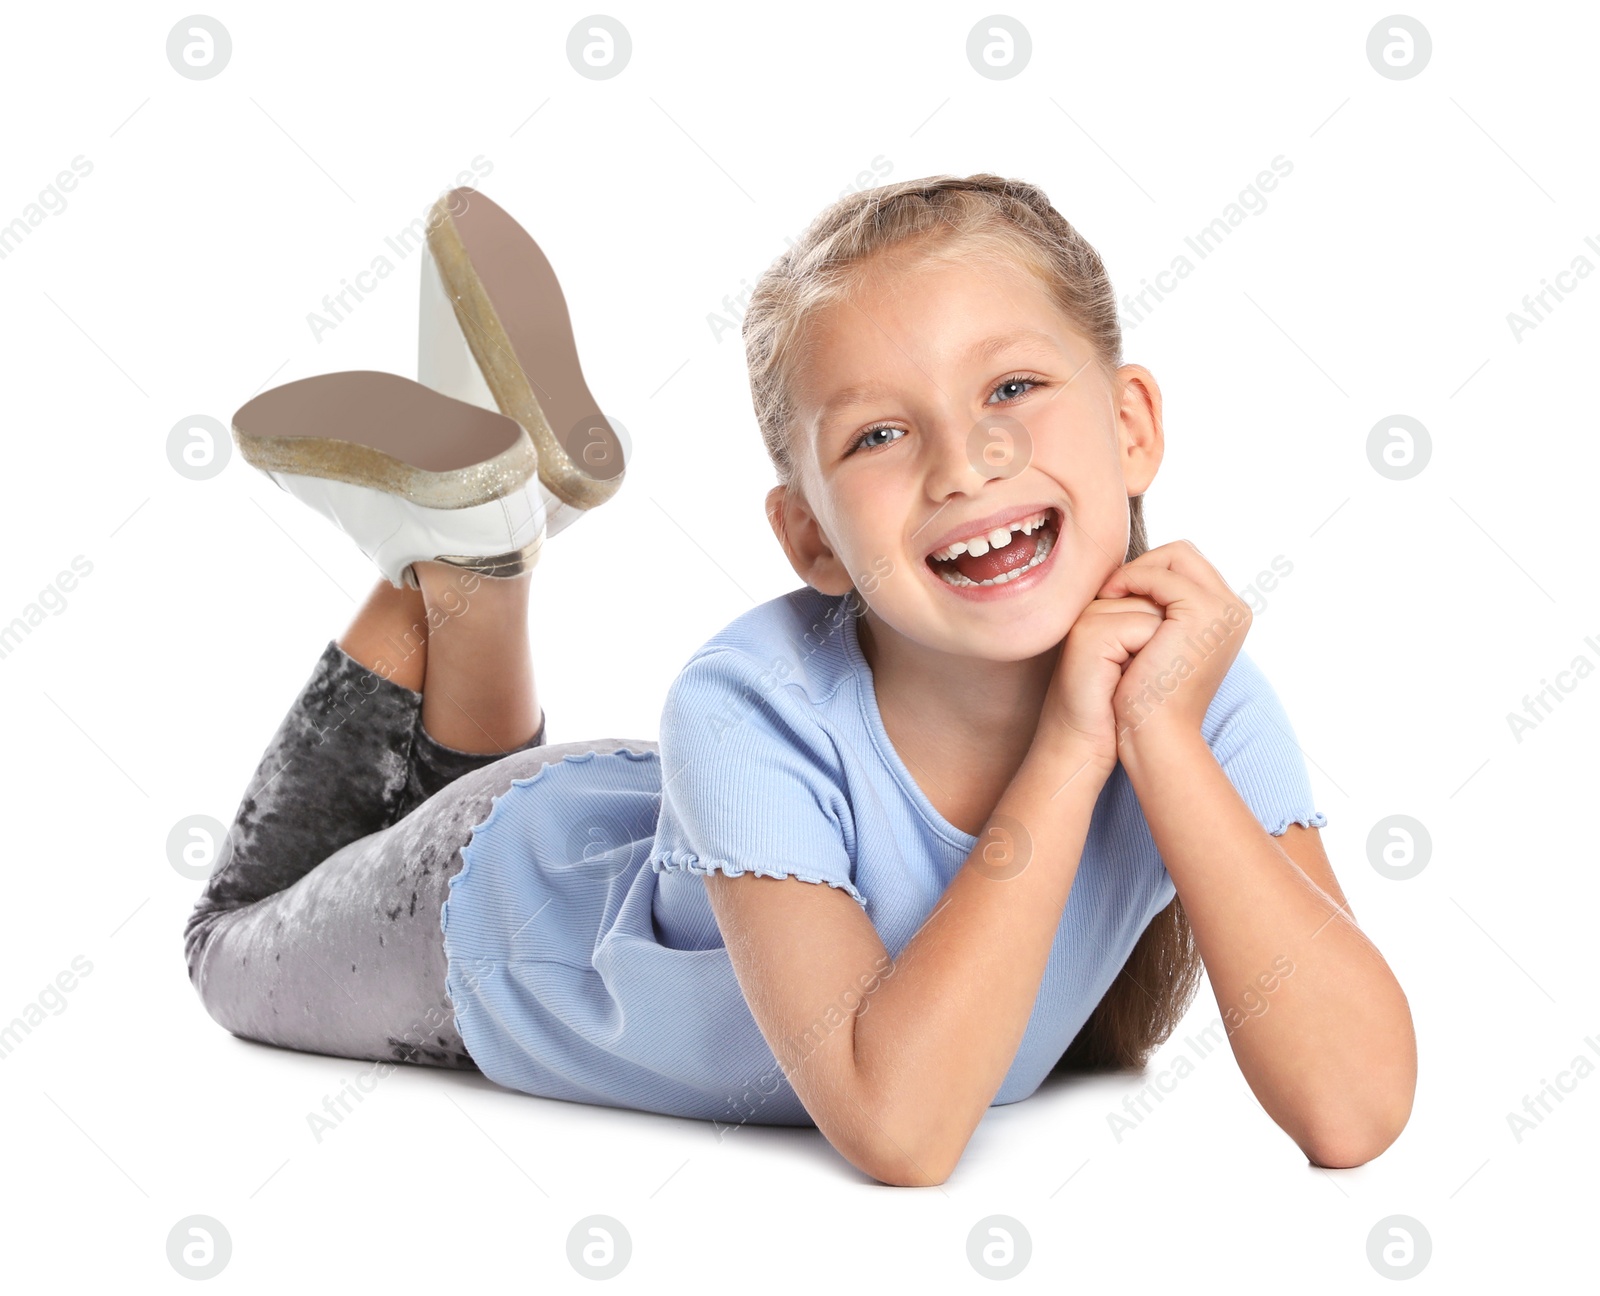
(1019, 553)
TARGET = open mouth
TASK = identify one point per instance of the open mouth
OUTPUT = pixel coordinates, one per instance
(1029, 543)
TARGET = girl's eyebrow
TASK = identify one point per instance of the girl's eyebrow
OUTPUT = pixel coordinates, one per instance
(985, 349)
(989, 347)
(855, 394)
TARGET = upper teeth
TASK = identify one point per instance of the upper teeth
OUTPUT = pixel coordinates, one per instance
(999, 538)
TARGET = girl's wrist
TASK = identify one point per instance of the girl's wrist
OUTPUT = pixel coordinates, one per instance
(1063, 756)
(1158, 741)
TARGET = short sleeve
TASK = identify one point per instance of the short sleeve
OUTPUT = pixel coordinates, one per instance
(1251, 737)
(750, 780)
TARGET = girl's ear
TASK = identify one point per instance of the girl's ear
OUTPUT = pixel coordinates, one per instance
(803, 542)
(1139, 427)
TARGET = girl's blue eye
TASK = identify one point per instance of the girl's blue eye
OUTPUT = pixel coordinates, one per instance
(1016, 380)
(862, 440)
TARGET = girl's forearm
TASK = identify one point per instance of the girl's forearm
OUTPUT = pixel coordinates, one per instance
(1317, 1021)
(943, 1030)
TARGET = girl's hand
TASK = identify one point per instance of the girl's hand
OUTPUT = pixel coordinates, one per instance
(1077, 725)
(1173, 677)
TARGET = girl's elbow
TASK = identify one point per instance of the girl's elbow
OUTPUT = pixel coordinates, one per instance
(912, 1144)
(1345, 1146)
(1366, 1125)
(896, 1163)
(902, 1173)
(896, 1167)
(887, 1159)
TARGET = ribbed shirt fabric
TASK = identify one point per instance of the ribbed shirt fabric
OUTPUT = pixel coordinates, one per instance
(584, 959)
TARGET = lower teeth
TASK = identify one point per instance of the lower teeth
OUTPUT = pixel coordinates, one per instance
(950, 574)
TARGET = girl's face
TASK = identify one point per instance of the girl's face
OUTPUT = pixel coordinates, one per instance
(938, 402)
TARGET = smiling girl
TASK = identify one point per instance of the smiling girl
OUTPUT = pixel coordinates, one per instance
(972, 805)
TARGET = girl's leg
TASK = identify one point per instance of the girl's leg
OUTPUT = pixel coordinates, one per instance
(349, 961)
(477, 688)
(336, 770)
(351, 757)
(478, 694)
(389, 635)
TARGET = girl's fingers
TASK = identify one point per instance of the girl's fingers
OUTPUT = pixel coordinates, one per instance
(1164, 584)
(1182, 556)
(1134, 603)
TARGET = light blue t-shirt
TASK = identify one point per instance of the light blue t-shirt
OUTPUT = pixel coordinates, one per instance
(584, 959)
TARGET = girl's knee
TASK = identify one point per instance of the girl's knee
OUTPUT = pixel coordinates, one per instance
(197, 929)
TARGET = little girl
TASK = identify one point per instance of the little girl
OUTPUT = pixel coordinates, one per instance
(970, 806)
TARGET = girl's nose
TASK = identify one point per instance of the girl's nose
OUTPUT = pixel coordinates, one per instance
(963, 453)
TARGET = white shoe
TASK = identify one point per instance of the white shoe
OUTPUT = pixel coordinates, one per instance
(409, 473)
(494, 332)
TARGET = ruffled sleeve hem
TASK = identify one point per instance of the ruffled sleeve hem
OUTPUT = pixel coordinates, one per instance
(689, 862)
(1316, 819)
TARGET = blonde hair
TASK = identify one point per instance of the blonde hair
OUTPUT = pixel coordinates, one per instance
(941, 217)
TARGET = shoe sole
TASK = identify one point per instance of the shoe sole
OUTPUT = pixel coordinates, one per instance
(369, 429)
(378, 429)
(512, 316)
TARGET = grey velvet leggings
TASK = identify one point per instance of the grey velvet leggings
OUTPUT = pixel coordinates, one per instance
(318, 928)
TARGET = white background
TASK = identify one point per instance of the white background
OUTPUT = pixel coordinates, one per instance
(1418, 614)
